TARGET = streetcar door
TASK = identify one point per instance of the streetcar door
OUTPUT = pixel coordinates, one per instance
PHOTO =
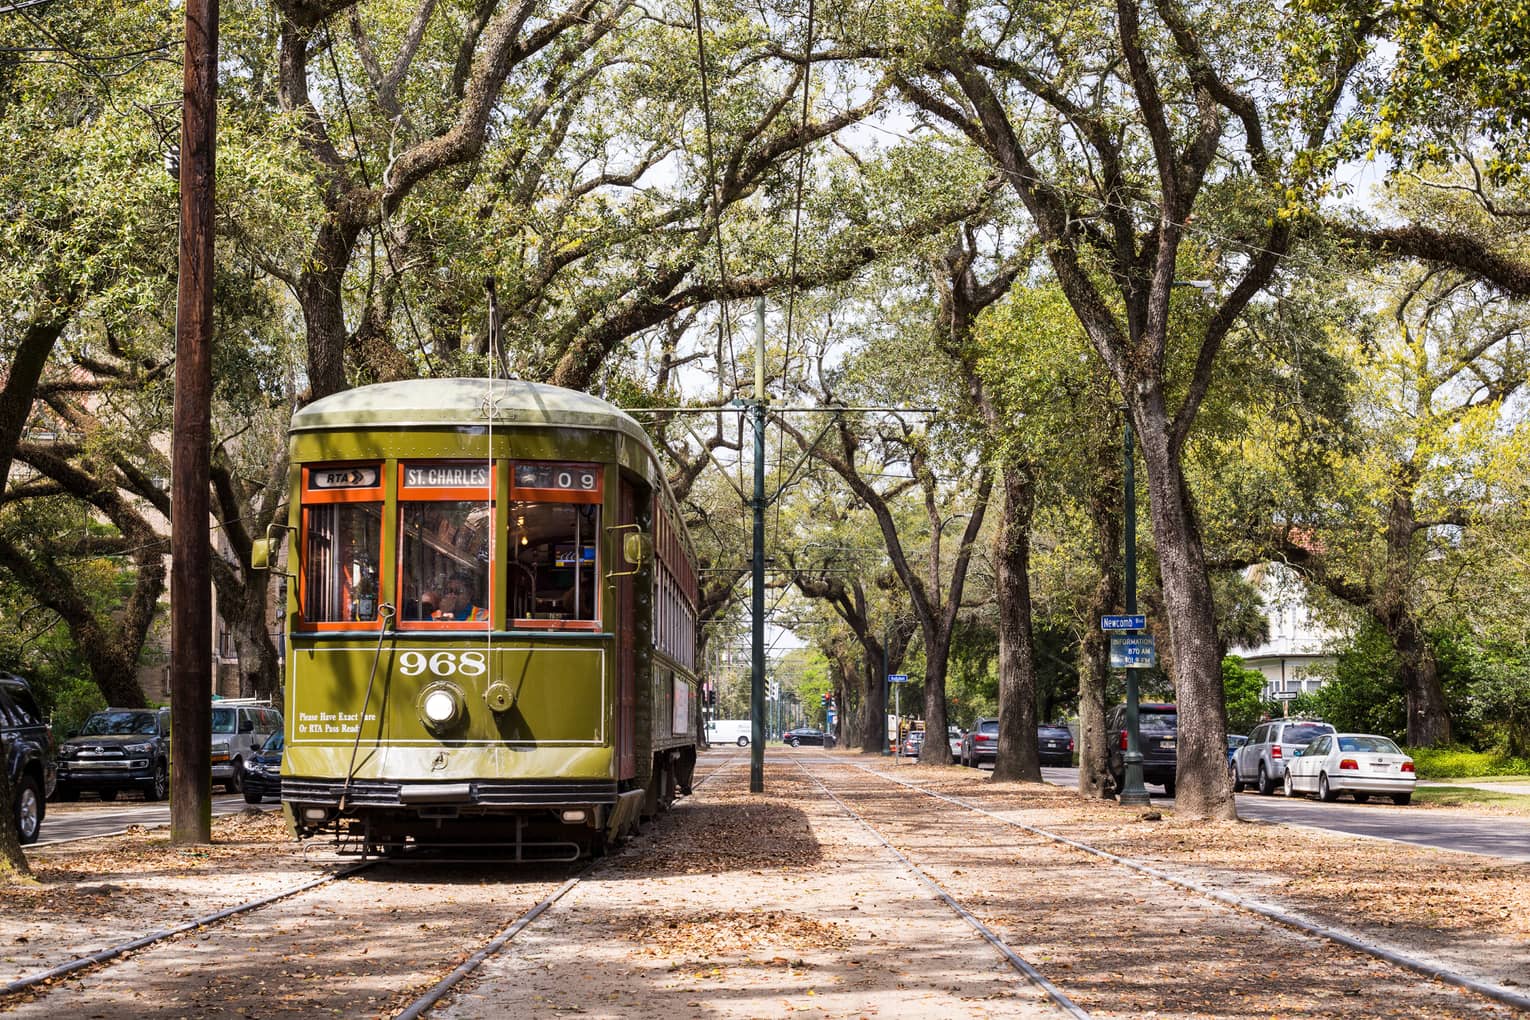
(626, 648)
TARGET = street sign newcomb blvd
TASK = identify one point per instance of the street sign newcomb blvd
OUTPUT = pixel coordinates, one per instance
(897, 678)
(1136, 621)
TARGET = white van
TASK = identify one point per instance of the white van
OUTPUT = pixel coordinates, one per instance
(240, 728)
(730, 731)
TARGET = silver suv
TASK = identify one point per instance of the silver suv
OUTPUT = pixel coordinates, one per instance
(1262, 761)
(240, 728)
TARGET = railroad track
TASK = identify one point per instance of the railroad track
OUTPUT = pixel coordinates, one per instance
(1348, 940)
(103, 978)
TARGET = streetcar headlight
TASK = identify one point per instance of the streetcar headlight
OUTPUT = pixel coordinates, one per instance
(441, 706)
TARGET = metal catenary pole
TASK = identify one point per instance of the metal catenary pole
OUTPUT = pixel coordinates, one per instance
(757, 605)
(1132, 790)
(190, 581)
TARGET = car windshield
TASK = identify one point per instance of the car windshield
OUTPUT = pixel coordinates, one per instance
(1378, 745)
(223, 720)
(1158, 722)
(1303, 734)
(273, 744)
(120, 724)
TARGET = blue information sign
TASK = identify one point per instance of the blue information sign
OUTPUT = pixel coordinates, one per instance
(1132, 651)
(897, 678)
(1136, 621)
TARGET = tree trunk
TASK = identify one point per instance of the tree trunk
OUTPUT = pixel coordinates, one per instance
(1094, 652)
(1204, 789)
(1018, 757)
(13, 861)
(1429, 723)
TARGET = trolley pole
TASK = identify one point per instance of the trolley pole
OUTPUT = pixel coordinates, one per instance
(1132, 792)
(757, 678)
(190, 581)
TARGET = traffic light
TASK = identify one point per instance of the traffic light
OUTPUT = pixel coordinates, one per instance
(826, 700)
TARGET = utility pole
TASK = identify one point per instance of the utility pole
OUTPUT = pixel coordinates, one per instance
(1132, 790)
(757, 607)
(190, 581)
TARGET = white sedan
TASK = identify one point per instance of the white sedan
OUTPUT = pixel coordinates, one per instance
(1355, 763)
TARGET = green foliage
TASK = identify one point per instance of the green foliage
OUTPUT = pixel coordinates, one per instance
(1242, 688)
(1461, 763)
(1361, 695)
(1489, 688)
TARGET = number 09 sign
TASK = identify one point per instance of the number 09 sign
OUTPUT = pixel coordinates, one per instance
(567, 482)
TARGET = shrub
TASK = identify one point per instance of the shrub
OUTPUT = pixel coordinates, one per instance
(1461, 763)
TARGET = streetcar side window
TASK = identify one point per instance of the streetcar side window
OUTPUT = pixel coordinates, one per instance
(446, 525)
(342, 546)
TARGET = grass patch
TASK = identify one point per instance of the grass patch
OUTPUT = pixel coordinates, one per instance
(1468, 796)
(1459, 763)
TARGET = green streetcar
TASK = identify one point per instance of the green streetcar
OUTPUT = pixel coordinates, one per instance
(491, 621)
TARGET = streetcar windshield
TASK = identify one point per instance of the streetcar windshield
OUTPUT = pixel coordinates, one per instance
(445, 568)
(552, 560)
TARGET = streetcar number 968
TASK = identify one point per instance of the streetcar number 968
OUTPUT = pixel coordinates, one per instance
(443, 663)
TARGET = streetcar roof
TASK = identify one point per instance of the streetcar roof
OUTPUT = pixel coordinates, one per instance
(426, 402)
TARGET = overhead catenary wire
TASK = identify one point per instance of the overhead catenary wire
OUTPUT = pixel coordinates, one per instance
(714, 197)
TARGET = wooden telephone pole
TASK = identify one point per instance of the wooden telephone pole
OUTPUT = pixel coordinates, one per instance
(190, 581)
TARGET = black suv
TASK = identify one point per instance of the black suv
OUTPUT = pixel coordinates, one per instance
(27, 744)
(118, 749)
(1158, 730)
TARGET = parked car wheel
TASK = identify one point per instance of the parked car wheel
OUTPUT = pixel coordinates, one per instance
(159, 786)
(1401, 799)
(108, 795)
(236, 781)
(796, 742)
(29, 810)
(1325, 792)
(253, 796)
(1237, 784)
(743, 741)
(1290, 786)
(1266, 787)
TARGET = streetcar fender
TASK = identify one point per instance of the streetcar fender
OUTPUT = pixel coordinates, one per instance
(624, 817)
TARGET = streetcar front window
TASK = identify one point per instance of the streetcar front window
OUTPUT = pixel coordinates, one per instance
(445, 561)
(342, 545)
(553, 561)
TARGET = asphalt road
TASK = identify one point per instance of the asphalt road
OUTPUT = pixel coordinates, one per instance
(100, 818)
(1496, 837)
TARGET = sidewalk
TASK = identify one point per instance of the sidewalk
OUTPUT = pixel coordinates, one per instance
(1520, 788)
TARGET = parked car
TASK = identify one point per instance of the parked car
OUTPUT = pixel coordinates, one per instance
(1055, 745)
(1158, 732)
(263, 771)
(913, 743)
(239, 730)
(27, 744)
(805, 735)
(118, 749)
(1359, 764)
(955, 736)
(980, 743)
(1234, 741)
(1261, 762)
(730, 731)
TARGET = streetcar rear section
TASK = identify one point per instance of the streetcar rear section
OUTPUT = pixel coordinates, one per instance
(491, 622)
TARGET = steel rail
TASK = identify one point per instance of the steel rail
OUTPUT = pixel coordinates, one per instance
(110, 953)
(1487, 989)
(446, 985)
(1014, 959)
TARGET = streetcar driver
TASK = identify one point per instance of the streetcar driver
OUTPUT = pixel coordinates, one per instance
(457, 602)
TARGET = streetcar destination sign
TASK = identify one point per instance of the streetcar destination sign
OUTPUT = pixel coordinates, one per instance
(1135, 621)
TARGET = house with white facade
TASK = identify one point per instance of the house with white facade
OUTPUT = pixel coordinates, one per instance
(1298, 642)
